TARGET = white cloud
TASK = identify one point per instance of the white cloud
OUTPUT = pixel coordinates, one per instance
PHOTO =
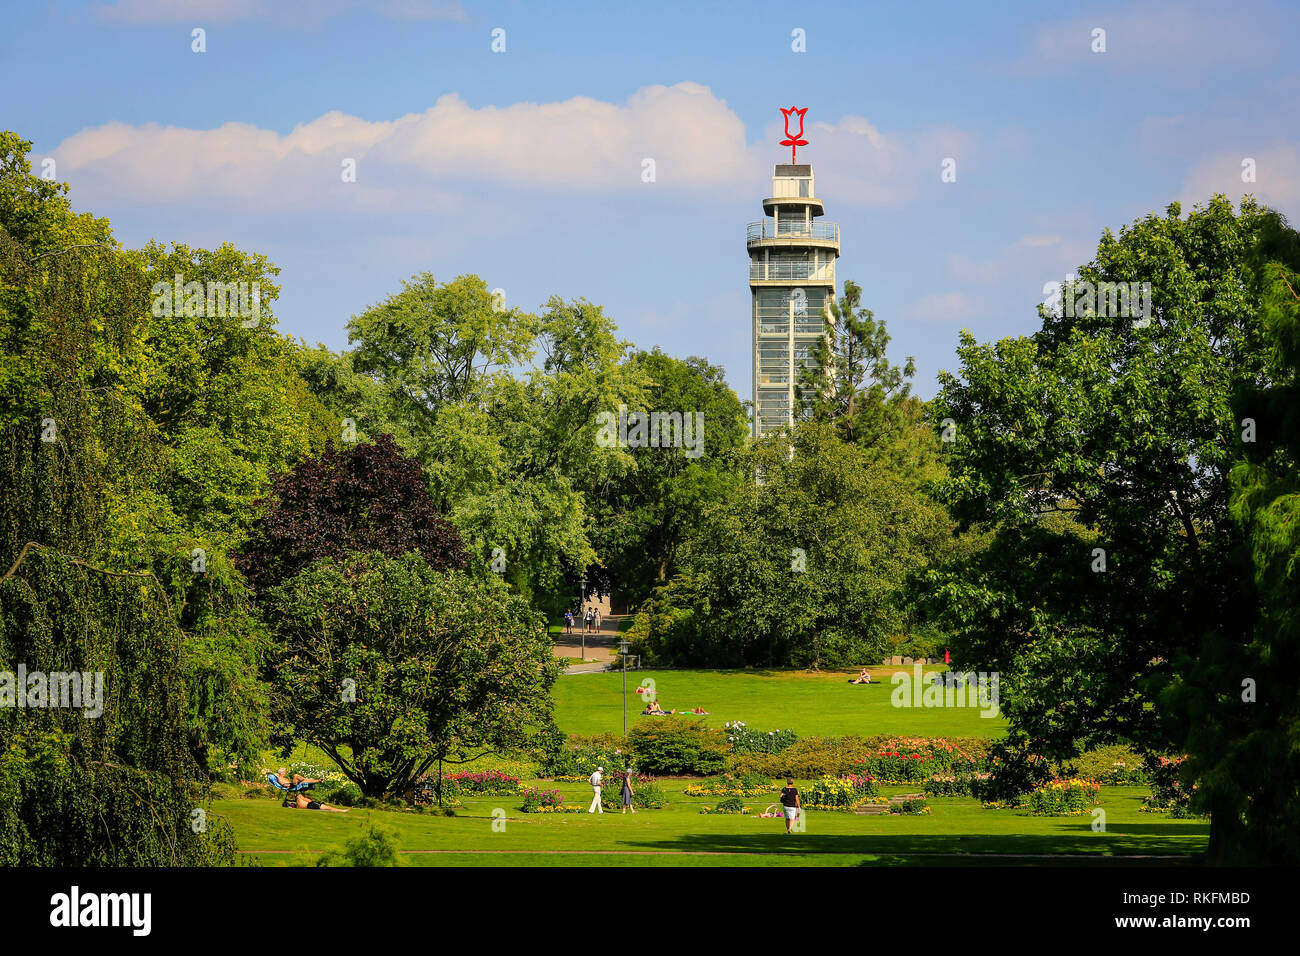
(860, 164)
(579, 145)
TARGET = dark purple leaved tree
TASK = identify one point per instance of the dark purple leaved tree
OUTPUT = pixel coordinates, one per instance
(369, 497)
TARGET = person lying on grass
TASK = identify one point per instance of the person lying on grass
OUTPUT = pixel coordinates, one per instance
(699, 712)
(862, 678)
(303, 803)
(652, 709)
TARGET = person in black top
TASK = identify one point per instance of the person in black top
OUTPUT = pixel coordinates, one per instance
(790, 801)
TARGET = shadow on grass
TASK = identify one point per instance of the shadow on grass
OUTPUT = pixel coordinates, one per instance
(981, 849)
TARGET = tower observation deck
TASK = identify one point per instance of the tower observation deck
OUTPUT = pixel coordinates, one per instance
(792, 257)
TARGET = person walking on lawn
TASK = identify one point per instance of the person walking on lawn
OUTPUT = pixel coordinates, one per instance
(790, 801)
(595, 780)
(627, 791)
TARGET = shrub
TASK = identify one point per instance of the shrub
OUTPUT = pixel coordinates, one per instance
(674, 747)
(1063, 797)
(1116, 765)
(347, 795)
(813, 757)
(375, 847)
(729, 805)
(954, 785)
(1013, 773)
(913, 805)
(746, 741)
(646, 793)
(486, 782)
(579, 756)
(806, 758)
(731, 785)
(1168, 795)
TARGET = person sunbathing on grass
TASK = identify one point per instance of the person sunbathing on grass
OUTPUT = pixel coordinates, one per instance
(303, 803)
(290, 783)
(862, 678)
(699, 712)
(652, 709)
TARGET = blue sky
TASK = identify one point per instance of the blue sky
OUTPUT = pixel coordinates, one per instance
(524, 166)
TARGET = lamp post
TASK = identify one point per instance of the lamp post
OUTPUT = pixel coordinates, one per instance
(582, 607)
(622, 652)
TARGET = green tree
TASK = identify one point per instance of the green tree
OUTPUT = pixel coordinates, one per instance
(804, 567)
(1098, 455)
(390, 666)
(1237, 706)
(642, 514)
(864, 395)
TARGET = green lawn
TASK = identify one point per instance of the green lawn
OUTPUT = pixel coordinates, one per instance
(958, 831)
(810, 703)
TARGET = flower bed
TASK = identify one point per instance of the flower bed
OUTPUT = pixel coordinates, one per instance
(542, 801)
(1168, 795)
(492, 783)
(840, 793)
(1063, 797)
(746, 741)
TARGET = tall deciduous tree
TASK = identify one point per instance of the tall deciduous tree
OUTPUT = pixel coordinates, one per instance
(389, 666)
(367, 497)
(804, 567)
(1122, 426)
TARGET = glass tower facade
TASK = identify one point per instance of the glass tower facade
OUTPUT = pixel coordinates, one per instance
(792, 257)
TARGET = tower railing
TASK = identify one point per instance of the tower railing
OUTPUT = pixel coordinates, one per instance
(758, 269)
(792, 229)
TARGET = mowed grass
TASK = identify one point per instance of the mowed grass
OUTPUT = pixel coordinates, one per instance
(958, 831)
(812, 703)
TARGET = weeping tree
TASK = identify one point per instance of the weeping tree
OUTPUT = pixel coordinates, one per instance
(95, 766)
(95, 769)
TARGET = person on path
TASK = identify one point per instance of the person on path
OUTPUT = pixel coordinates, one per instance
(596, 779)
(588, 619)
(596, 612)
(627, 791)
(568, 622)
(790, 801)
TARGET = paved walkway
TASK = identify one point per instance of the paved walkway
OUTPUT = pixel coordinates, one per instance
(601, 646)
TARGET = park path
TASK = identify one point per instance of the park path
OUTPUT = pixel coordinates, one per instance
(601, 646)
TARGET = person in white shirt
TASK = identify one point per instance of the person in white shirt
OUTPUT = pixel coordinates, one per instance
(596, 779)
